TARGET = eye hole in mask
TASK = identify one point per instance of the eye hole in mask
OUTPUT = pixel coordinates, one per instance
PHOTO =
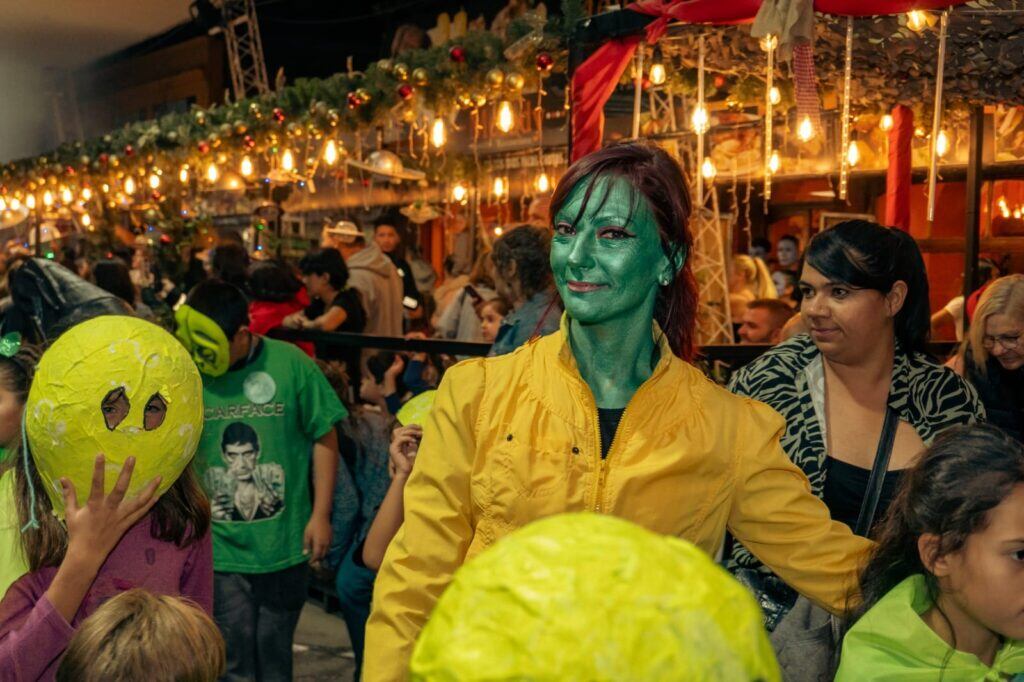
(156, 412)
(115, 407)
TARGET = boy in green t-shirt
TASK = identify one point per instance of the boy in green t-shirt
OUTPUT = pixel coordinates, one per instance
(268, 412)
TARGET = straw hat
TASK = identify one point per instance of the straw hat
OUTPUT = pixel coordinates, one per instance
(388, 166)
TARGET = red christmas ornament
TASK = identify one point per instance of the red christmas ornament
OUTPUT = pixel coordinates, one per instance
(405, 91)
(354, 100)
(278, 115)
(719, 81)
(104, 158)
(164, 239)
(249, 142)
(204, 147)
(457, 54)
(129, 150)
(545, 61)
(68, 170)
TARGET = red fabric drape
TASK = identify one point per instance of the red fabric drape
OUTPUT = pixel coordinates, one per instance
(897, 179)
(608, 63)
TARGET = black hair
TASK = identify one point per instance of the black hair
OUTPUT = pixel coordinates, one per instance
(378, 363)
(790, 238)
(528, 247)
(761, 243)
(865, 255)
(273, 281)
(230, 262)
(949, 492)
(987, 269)
(326, 262)
(239, 432)
(223, 303)
(114, 277)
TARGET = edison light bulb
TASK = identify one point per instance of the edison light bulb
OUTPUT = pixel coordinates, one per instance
(183, 175)
(15, 204)
(774, 163)
(699, 120)
(942, 144)
(212, 172)
(154, 181)
(707, 169)
(246, 167)
(916, 20)
(287, 160)
(774, 96)
(853, 154)
(86, 220)
(330, 153)
(505, 119)
(543, 183)
(3, 204)
(886, 123)
(499, 187)
(129, 185)
(30, 202)
(47, 198)
(86, 194)
(806, 130)
(459, 192)
(657, 74)
(498, 232)
(438, 134)
(66, 196)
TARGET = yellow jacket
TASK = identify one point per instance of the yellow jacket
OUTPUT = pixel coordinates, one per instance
(515, 438)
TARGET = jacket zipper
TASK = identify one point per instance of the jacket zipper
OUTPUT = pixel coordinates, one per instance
(602, 471)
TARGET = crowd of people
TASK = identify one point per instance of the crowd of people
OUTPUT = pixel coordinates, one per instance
(845, 469)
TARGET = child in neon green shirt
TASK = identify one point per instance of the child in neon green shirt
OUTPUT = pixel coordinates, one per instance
(944, 590)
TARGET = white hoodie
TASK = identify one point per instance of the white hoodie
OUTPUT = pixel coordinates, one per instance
(376, 279)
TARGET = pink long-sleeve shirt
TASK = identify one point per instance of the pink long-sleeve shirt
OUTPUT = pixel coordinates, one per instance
(33, 635)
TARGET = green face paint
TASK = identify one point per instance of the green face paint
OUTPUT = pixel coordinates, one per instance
(609, 264)
(205, 341)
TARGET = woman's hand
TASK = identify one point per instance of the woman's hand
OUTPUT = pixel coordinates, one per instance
(294, 321)
(405, 443)
(93, 531)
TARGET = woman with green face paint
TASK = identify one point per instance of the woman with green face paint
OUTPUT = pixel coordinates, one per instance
(607, 415)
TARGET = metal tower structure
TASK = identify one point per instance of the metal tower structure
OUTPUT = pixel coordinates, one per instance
(245, 49)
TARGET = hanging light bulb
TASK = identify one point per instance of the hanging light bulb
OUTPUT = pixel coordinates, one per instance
(505, 118)
(3, 204)
(287, 160)
(917, 20)
(543, 183)
(942, 144)
(15, 204)
(212, 172)
(246, 167)
(773, 162)
(330, 153)
(154, 181)
(30, 202)
(438, 134)
(1016, 213)
(499, 188)
(129, 185)
(657, 75)
(806, 130)
(86, 194)
(885, 123)
(459, 192)
(769, 42)
(66, 196)
(47, 198)
(774, 96)
(183, 174)
(699, 120)
(498, 232)
(1003, 208)
(708, 170)
(853, 154)
(86, 220)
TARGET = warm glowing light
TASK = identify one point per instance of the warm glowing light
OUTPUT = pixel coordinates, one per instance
(853, 154)
(886, 123)
(505, 118)
(707, 169)
(246, 167)
(806, 130)
(769, 42)
(438, 134)
(330, 153)
(86, 194)
(919, 132)
(15, 204)
(3, 204)
(30, 202)
(543, 183)
(499, 187)
(183, 175)
(774, 96)
(212, 172)
(287, 160)
(66, 196)
(154, 181)
(234, 183)
(1016, 213)
(459, 192)
(1003, 208)
(498, 232)
(129, 185)
(47, 198)
(699, 120)
(657, 74)
(942, 144)
(773, 162)
(917, 20)
(86, 220)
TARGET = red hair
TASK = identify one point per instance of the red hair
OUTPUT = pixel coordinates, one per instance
(657, 177)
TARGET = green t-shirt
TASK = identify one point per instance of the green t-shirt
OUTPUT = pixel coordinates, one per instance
(261, 422)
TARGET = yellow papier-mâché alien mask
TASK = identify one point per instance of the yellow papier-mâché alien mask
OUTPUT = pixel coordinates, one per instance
(204, 339)
(117, 386)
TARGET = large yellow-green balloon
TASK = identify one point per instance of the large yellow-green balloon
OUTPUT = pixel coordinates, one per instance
(120, 387)
(590, 597)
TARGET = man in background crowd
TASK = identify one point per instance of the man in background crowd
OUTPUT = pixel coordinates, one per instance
(763, 321)
(372, 274)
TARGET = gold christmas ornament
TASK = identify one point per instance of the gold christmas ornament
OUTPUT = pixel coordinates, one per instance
(420, 76)
(401, 71)
(515, 81)
(495, 78)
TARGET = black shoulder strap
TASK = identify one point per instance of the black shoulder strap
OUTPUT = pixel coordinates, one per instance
(866, 517)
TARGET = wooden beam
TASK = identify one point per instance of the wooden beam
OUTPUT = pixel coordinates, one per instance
(972, 212)
(959, 245)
